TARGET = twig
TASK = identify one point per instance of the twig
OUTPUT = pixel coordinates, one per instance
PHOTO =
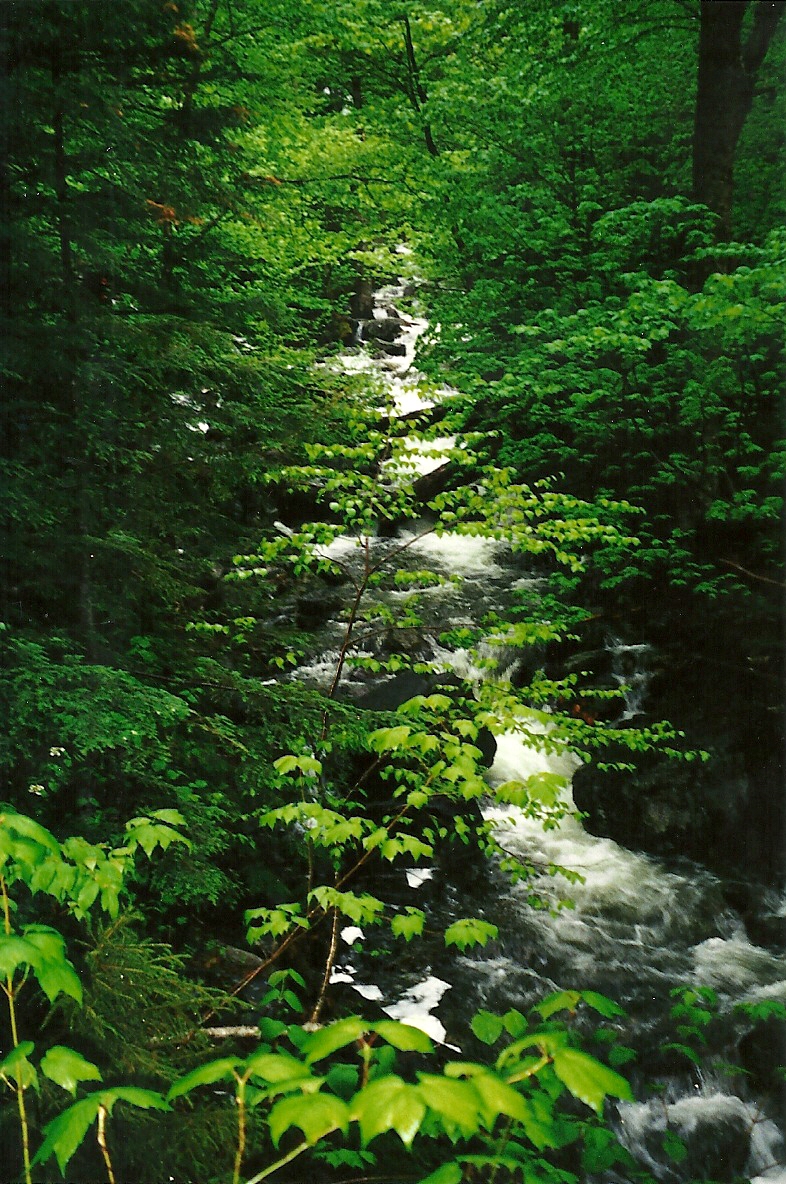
(753, 575)
(331, 958)
(238, 1030)
(280, 1163)
(101, 1137)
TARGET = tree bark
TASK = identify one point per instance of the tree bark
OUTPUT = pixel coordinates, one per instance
(7, 114)
(727, 74)
(415, 89)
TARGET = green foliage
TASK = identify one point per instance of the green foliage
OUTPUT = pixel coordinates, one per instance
(76, 875)
(513, 1108)
(193, 201)
(694, 1012)
(429, 762)
(64, 1134)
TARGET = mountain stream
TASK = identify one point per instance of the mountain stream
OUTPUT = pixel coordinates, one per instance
(633, 928)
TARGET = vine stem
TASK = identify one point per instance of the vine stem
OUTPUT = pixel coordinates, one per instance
(331, 958)
(102, 1143)
(370, 569)
(8, 990)
(241, 1130)
(353, 615)
(361, 586)
(280, 1163)
(504, 1135)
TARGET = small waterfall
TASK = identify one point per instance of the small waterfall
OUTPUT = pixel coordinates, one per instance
(630, 670)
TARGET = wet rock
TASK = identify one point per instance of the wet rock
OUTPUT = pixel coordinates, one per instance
(390, 694)
(762, 1052)
(394, 349)
(382, 329)
(717, 1146)
(406, 684)
(714, 1131)
(361, 304)
(315, 607)
(768, 929)
(430, 484)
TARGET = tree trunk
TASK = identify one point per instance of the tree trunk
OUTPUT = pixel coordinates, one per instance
(728, 69)
(415, 89)
(7, 114)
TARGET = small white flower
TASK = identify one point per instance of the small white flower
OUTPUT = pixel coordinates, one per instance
(37, 789)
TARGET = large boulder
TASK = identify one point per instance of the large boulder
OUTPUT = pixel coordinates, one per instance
(381, 329)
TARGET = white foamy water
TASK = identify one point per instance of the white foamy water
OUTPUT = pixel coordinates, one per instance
(407, 398)
(424, 456)
(416, 1005)
(461, 554)
(710, 1123)
(418, 876)
(342, 546)
(740, 969)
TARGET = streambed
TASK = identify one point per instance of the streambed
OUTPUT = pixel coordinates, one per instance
(634, 927)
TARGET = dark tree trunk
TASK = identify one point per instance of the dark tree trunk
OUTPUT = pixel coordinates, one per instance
(415, 89)
(7, 114)
(728, 69)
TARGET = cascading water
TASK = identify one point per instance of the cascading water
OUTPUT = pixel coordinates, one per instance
(632, 928)
(631, 672)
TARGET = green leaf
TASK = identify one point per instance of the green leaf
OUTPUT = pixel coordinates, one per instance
(588, 1079)
(499, 1098)
(388, 1104)
(170, 817)
(409, 924)
(270, 1029)
(343, 1079)
(559, 1001)
(685, 1049)
(762, 1010)
(602, 1004)
(621, 1054)
(601, 1150)
(15, 951)
(29, 829)
(674, 1147)
(219, 1070)
(403, 1036)
(487, 1026)
(338, 1035)
(143, 1099)
(515, 1023)
(403, 844)
(150, 835)
(304, 765)
(17, 1066)
(316, 1115)
(67, 1068)
(449, 1173)
(276, 1067)
(64, 1134)
(389, 739)
(457, 1103)
(362, 908)
(470, 931)
(55, 974)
